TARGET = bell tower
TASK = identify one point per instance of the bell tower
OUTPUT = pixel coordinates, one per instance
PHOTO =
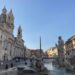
(19, 34)
(4, 15)
(10, 20)
(7, 19)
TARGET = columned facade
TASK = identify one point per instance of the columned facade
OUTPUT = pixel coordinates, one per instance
(10, 46)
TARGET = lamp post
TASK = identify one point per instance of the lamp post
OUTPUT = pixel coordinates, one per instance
(25, 53)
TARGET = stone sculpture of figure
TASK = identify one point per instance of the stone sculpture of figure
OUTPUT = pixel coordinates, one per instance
(60, 41)
(60, 44)
(60, 47)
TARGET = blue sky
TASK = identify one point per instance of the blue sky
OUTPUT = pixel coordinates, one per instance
(46, 18)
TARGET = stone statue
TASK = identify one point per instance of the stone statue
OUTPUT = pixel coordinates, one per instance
(60, 41)
(60, 47)
(60, 44)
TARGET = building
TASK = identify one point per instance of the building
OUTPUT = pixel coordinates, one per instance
(70, 43)
(36, 52)
(28, 53)
(52, 52)
(70, 47)
(10, 46)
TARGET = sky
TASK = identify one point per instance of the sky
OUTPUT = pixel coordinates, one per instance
(46, 18)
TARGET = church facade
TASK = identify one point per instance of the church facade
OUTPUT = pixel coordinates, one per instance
(10, 46)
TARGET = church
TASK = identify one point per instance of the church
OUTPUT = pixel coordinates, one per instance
(10, 46)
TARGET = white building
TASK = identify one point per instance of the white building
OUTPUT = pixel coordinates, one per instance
(28, 53)
(10, 46)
